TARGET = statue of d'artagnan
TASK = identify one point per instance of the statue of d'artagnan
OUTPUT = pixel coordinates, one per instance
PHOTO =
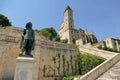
(27, 43)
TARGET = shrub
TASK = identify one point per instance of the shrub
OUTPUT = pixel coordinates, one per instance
(114, 49)
(86, 62)
(99, 47)
(49, 33)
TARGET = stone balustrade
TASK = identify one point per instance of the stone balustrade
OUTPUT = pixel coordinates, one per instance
(8, 38)
(96, 72)
(58, 45)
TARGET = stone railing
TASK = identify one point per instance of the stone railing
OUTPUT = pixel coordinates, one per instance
(96, 72)
(9, 38)
(39, 42)
(57, 45)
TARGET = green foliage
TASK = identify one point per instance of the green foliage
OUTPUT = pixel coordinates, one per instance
(4, 21)
(73, 40)
(57, 38)
(89, 62)
(114, 49)
(86, 62)
(64, 40)
(99, 47)
(49, 33)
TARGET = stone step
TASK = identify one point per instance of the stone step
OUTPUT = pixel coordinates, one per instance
(112, 74)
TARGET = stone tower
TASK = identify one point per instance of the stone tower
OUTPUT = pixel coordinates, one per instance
(66, 28)
(68, 31)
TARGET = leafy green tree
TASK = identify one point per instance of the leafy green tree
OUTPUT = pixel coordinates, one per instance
(57, 38)
(49, 33)
(53, 32)
(4, 21)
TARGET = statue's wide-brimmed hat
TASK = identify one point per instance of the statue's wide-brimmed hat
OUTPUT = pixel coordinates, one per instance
(29, 25)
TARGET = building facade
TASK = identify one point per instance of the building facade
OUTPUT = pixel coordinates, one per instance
(111, 43)
(67, 30)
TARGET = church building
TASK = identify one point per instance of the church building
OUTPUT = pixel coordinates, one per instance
(67, 30)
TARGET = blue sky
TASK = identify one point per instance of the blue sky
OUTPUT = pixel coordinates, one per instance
(102, 17)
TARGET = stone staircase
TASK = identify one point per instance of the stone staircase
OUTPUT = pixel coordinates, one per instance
(97, 52)
(112, 74)
(108, 70)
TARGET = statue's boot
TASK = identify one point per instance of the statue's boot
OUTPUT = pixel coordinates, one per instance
(29, 54)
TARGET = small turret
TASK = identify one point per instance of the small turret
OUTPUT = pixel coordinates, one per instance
(67, 8)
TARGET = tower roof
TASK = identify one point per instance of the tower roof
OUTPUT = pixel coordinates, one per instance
(68, 8)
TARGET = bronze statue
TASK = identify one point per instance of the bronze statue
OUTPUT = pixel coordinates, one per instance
(27, 43)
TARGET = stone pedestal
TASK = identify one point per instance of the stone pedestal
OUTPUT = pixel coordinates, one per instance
(24, 68)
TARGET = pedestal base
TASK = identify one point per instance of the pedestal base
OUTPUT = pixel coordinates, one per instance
(24, 68)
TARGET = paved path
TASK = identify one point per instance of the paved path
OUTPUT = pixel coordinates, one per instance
(112, 74)
(97, 52)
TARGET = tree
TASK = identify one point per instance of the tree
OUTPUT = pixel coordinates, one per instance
(4, 21)
(53, 32)
(57, 38)
(49, 33)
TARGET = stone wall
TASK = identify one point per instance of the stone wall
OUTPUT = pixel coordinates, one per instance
(55, 60)
(111, 43)
(52, 59)
(8, 61)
